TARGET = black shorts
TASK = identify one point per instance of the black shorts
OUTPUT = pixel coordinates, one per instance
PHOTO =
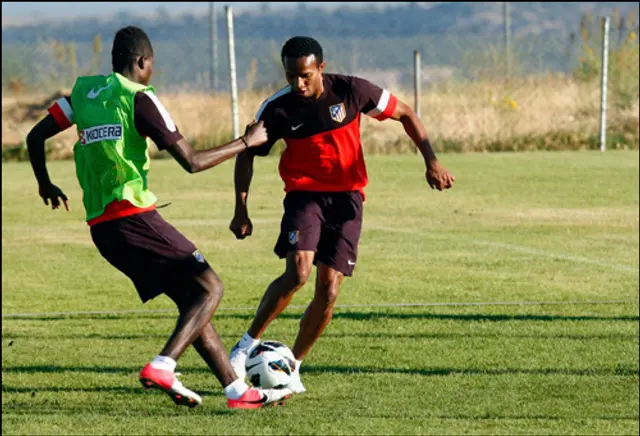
(328, 223)
(150, 251)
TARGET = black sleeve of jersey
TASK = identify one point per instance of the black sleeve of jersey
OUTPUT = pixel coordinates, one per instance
(366, 94)
(273, 132)
(152, 124)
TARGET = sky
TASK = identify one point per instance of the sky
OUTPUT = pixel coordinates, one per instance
(16, 13)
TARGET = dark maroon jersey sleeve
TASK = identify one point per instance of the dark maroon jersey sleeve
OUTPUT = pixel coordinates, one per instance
(267, 114)
(153, 121)
(372, 100)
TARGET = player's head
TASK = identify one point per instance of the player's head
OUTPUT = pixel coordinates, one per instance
(132, 54)
(303, 65)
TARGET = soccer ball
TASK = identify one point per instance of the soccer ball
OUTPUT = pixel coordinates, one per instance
(270, 365)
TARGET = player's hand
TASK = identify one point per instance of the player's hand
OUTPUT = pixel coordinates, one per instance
(54, 194)
(438, 177)
(241, 226)
(255, 134)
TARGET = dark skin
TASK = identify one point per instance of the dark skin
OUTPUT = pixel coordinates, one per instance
(191, 160)
(201, 296)
(305, 77)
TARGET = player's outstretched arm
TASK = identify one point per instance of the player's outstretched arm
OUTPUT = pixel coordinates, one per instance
(194, 161)
(241, 225)
(437, 176)
(36, 138)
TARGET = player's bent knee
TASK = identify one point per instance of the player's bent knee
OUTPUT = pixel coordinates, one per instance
(297, 277)
(299, 264)
(328, 293)
(301, 276)
(212, 285)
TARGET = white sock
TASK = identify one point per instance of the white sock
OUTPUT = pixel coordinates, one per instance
(236, 389)
(164, 362)
(248, 342)
(298, 363)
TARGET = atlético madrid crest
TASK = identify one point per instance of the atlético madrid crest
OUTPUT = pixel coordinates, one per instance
(338, 113)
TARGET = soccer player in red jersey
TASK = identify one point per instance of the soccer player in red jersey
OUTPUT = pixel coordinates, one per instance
(323, 169)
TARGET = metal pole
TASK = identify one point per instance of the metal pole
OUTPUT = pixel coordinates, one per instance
(603, 84)
(417, 81)
(232, 73)
(507, 39)
(213, 27)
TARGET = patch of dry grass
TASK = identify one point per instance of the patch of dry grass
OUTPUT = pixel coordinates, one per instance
(547, 112)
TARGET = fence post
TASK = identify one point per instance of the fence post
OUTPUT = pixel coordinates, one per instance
(507, 39)
(232, 73)
(603, 83)
(213, 27)
(417, 81)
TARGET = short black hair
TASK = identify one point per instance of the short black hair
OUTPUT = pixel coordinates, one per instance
(129, 43)
(301, 46)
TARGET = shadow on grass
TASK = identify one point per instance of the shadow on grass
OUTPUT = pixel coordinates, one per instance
(352, 316)
(361, 335)
(323, 369)
(98, 389)
(490, 416)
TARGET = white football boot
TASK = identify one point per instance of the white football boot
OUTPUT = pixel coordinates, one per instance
(238, 358)
(295, 384)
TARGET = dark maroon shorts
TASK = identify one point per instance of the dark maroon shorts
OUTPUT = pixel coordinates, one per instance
(150, 251)
(328, 223)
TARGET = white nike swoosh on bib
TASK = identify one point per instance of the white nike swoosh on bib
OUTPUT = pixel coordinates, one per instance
(93, 94)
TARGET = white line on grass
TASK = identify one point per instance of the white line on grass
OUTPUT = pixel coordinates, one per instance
(338, 306)
(476, 241)
(519, 248)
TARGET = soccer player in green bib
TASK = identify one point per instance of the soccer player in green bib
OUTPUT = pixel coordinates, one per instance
(114, 115)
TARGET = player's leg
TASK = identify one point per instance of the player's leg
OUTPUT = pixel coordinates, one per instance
(299, 235)
(315, 318)
(336, 258)
(159, 259)
(203, 294)
(210, 347)
(276, 298)
(320, 310)
(280, 292)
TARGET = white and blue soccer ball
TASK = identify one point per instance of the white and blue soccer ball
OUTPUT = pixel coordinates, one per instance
(270, 365)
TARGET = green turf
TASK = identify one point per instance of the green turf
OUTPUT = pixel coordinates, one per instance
(559, 227)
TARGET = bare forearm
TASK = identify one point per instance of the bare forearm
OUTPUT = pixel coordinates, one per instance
(194, 161)
(418, 135)
(243, 173)
(205, 159)
(37, 156)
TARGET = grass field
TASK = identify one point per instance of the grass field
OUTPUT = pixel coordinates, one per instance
(528, 227)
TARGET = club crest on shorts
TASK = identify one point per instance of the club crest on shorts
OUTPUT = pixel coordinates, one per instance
(294, 236)
(337, 112)
(198, 256)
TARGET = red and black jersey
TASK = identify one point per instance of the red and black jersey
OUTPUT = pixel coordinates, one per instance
(323, 150)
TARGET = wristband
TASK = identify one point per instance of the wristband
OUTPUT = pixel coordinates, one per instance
(245, 142)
